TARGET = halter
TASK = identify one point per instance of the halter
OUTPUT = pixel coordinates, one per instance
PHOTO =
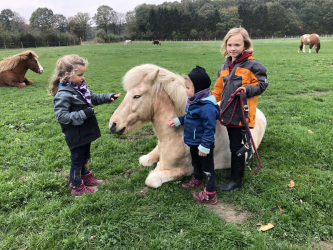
(249, 145)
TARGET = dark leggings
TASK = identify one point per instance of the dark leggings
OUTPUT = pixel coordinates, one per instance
(235, 138)
(204, 164)
(79, 157)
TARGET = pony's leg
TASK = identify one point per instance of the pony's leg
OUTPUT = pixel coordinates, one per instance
(310, 47)
(28, 82)
(151, 158)
(162, 174)
(303, 48)
(17, 84)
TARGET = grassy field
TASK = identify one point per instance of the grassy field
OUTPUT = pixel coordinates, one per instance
(37, 210)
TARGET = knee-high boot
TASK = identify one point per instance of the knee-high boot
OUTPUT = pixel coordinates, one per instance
(237, 173)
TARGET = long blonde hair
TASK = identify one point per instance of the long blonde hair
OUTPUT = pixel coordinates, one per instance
(234, 31)
(68, 63)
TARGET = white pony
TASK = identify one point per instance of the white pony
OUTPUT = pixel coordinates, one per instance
(156, 95)
(127, 42)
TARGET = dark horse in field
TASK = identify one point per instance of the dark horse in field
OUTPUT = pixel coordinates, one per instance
(14, 68)
(157, 42)
(309, 39)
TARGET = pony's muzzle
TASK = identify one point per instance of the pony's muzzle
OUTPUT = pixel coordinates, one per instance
(113, 129)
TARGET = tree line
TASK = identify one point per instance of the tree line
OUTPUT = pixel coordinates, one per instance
(209, 19)
(185, 20)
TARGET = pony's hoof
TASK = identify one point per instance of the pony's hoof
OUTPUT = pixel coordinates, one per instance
(21, 85)
(153, 181)
(145, 161)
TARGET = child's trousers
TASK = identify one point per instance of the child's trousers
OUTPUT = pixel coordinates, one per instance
(79, 157)
(204, 164)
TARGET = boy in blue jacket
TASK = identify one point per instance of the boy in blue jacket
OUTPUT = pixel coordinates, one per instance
(199, 122)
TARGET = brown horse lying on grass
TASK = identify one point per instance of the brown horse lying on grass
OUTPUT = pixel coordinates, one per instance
(310, 40)
(14, 68)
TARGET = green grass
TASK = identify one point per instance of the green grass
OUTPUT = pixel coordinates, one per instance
(37, 210)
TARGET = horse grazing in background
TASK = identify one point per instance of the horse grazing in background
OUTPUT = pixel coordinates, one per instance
(157, 42)
(157, 95)
(127, 42)
(309, 39)
(14, 68)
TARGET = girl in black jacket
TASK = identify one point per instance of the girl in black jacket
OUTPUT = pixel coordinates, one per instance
(73, 108)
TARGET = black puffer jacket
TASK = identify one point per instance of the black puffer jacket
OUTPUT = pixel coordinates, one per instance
(79, 127)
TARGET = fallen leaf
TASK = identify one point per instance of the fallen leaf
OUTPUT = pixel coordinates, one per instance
(310, 131)
(301, 201)
(330, 120)
(266, 227)
(92, 237)
(291, 184)
(280, 209)
(259, 224)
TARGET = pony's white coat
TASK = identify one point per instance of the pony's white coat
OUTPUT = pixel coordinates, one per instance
(157, 95)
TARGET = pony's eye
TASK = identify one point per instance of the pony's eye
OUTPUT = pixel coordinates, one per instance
(137, 96)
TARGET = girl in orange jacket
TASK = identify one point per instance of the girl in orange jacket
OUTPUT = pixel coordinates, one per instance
(239, 71)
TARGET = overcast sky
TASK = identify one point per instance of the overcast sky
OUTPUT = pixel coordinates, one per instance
(70, 8)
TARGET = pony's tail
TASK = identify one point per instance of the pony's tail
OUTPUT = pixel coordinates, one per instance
(318, 47)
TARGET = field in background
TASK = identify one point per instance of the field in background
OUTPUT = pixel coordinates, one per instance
(37, 210)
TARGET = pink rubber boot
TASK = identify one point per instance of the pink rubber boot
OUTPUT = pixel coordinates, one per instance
(82, 189)
(90, 180)
(205, 197)
(194, 183)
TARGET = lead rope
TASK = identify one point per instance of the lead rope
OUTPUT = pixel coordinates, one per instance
(249, 142)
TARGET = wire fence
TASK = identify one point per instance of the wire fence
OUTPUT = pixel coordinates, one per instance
(73, 43)
(37, 44)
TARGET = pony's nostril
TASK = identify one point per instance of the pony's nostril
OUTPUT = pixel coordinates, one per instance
(113, 127)
(120, 132)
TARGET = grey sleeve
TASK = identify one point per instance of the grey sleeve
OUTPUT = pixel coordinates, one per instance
(260, 73)
(62, 105)
(98, 99)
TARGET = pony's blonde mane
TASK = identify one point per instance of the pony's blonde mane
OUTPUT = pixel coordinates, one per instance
(173, 84)
(10, 63)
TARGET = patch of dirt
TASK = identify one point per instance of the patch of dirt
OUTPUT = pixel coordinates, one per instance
(143, 192)
(228, 213)
(127, 174)
(322, 245)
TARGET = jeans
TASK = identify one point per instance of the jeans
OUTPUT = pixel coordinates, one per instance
(204, 164)
(79, 157)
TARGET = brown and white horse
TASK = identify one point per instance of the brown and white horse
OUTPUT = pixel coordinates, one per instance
(309, 39)
(14, 68)
(157, 95)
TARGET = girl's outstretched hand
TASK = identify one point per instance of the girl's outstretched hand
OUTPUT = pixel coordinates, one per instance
(114, 97)
(171, 123)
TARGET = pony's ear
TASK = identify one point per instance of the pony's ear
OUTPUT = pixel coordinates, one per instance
(152, 76)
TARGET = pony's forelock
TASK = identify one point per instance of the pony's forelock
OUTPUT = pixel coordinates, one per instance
(173, 84)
